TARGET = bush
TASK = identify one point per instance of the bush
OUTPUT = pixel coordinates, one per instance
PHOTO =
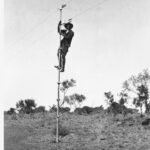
(61, 109)
(11, 111)
(78, 111)
(26, 106)
(116, 108)
(63, 131)
(39, 109)
(64, 109)
(98, 109)
(84, 110)
(53, 109)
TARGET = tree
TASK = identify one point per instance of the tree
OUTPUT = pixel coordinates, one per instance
(11, 111)
(114, 107)
(109, 97)
(26, 106)
(65, 85)
(30, 105)
(74, 99)
(143, 95)
(137, 83)
(78, 99)
(20, 106)
(123, 97)
(69, 100)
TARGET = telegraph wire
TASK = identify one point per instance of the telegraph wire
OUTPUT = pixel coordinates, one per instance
(22, 37)
(51, 13)
(32, 29)
(88, 9)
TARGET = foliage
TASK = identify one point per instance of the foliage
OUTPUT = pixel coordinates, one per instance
(64, 109)
(65, 85)
(27, 106)
(11, 111)
(116, 108)
(63, 131)
(40, 109)
(139, 86)
(88, 110)
(74, 99)
(98, 109)
(109, 97)
(61, 109)
(53, 108)
(123, 97)
(84, 110)
(142, 96)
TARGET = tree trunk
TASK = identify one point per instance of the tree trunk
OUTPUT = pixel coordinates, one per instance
(141, 110)
(146, 107)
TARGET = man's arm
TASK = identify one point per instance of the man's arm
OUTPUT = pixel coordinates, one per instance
(58, 28)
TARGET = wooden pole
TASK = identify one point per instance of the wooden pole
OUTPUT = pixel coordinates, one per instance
(58, 90)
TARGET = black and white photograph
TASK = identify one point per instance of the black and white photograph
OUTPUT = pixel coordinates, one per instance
(75, 74)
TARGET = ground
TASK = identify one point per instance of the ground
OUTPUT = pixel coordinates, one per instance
(86, 132)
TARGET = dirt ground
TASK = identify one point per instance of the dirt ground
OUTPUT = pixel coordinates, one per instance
(85, 132)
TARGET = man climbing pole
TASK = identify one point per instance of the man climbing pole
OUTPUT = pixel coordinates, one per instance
(64, 44)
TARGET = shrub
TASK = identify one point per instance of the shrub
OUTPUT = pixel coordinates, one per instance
(116, 108)
(63, 131)
(146, 122)
(64, 109)
(78, 111)
(53, 109)
(61, 109)
(98, 109)
(40, 109)
(26, 106)
(84, 110)
(11, 111)
(87, 109)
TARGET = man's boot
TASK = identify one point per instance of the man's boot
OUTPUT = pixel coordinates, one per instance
(62, 70)
(57, 67)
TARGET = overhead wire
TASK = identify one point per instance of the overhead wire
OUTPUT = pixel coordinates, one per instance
(82, 12)
(79, 14)
(45, 19)
(35, 27)
(51, 30)
(88, 9)
(32, 29)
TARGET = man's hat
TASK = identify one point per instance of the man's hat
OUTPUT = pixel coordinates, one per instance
(69, 24)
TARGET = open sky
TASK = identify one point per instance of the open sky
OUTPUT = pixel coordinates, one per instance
(111, 43)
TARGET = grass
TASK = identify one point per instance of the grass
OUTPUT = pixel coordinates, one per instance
(90, 132)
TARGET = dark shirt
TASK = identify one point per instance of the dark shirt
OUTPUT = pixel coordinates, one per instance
(67, 37)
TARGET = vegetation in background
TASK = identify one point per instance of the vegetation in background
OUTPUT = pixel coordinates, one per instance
(26, 106)
(136, 88)
(65, 85)
(74, 100)
(137, 85)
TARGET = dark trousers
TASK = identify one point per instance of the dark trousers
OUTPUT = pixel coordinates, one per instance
(62, 51)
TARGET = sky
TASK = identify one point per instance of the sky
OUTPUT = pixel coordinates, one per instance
(110, 44)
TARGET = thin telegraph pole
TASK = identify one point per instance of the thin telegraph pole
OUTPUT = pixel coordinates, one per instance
(58, 90)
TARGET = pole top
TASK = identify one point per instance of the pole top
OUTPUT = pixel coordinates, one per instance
(62, 6)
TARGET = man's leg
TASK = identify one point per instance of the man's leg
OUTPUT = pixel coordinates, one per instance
(59, 53)
(63, 60)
